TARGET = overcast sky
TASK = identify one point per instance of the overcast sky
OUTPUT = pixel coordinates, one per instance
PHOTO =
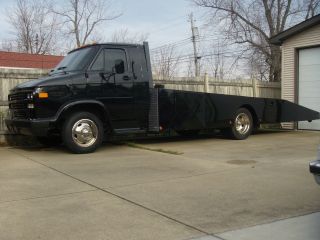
(164, 20)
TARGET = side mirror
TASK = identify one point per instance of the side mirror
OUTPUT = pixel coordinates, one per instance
(119, 66)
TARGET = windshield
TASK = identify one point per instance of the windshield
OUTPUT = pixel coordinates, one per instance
(76, 60)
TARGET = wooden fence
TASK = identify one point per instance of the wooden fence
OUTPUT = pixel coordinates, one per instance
(250, 88)
(9, 78)
(2, 117)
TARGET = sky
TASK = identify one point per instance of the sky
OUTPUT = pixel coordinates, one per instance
(164, 21)
(4, 26)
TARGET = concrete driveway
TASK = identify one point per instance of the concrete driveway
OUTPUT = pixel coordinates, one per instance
(172, 188)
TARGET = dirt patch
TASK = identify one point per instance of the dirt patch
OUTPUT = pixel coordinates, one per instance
(134, 145)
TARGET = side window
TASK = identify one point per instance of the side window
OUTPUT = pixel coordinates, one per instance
(115, 61)
(98, 63)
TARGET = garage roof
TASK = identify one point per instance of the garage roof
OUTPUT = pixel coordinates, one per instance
(26, 60)
(281, 37)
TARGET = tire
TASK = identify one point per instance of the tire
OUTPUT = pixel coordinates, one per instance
(242, 124)
(50, 141)
(82, 132)
(188, 133)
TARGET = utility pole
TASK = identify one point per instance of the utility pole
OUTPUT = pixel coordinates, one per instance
(37, 43)
(195, 35)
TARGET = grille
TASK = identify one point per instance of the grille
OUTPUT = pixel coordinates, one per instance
(20, 114)
(18, 104)
(20, 96)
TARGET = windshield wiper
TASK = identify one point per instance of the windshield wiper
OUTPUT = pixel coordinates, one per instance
(55, 71)
(60, 68)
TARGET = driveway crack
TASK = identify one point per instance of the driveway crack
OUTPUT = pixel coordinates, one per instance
(47, 196)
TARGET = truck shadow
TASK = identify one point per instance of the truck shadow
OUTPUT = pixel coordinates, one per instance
(30, 144)
(177, 138)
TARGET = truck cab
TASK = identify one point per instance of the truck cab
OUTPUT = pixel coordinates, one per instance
(103, 88)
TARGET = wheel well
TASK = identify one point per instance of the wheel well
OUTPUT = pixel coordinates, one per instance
(95, 109)
(253, 114)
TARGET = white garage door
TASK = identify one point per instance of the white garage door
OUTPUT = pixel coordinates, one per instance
(309, 83)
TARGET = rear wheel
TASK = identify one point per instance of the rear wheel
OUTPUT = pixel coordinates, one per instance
(82, 132)
(242, 124)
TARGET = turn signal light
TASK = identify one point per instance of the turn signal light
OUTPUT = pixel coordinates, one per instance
(43, 95)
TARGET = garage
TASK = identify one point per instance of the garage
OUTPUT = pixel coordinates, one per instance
(300, 75)
(309, 83)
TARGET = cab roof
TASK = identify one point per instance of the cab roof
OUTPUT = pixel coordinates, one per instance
(111, 44)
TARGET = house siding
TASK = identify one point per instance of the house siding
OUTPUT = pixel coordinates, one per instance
(307, 38)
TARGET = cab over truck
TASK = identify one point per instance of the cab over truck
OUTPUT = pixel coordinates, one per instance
(107, 89)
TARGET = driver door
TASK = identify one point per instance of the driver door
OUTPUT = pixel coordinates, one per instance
(115, 87)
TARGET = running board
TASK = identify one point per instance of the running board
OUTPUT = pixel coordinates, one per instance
(129, 130)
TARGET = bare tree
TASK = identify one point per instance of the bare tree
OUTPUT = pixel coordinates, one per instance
(257, 68)
(190, 67)
(34, 26)
(7, 45)
(253, 22)
(165, 62)
(125, 36)
(82, 17)
(215, 62)
(313, 7)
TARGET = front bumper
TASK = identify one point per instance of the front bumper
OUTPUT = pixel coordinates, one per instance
(28, 127)
(315, 170)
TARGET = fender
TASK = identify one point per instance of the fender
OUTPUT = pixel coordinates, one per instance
(69, 105)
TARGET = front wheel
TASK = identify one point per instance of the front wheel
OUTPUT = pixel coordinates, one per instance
(242, 124)
(82, 132)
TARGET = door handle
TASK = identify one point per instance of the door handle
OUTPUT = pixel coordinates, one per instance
(126, 78)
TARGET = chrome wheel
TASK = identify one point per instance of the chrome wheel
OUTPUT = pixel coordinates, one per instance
(242, 123)
(85, 133)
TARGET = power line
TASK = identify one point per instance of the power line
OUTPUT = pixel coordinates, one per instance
(170, 51)
(167, 26)
(172, 44)
(190, 56)
(181, 19)
(185, 41)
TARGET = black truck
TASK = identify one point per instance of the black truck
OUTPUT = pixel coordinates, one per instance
(102, 90)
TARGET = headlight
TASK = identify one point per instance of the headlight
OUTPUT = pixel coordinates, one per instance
(30, 96)
(41, 93)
